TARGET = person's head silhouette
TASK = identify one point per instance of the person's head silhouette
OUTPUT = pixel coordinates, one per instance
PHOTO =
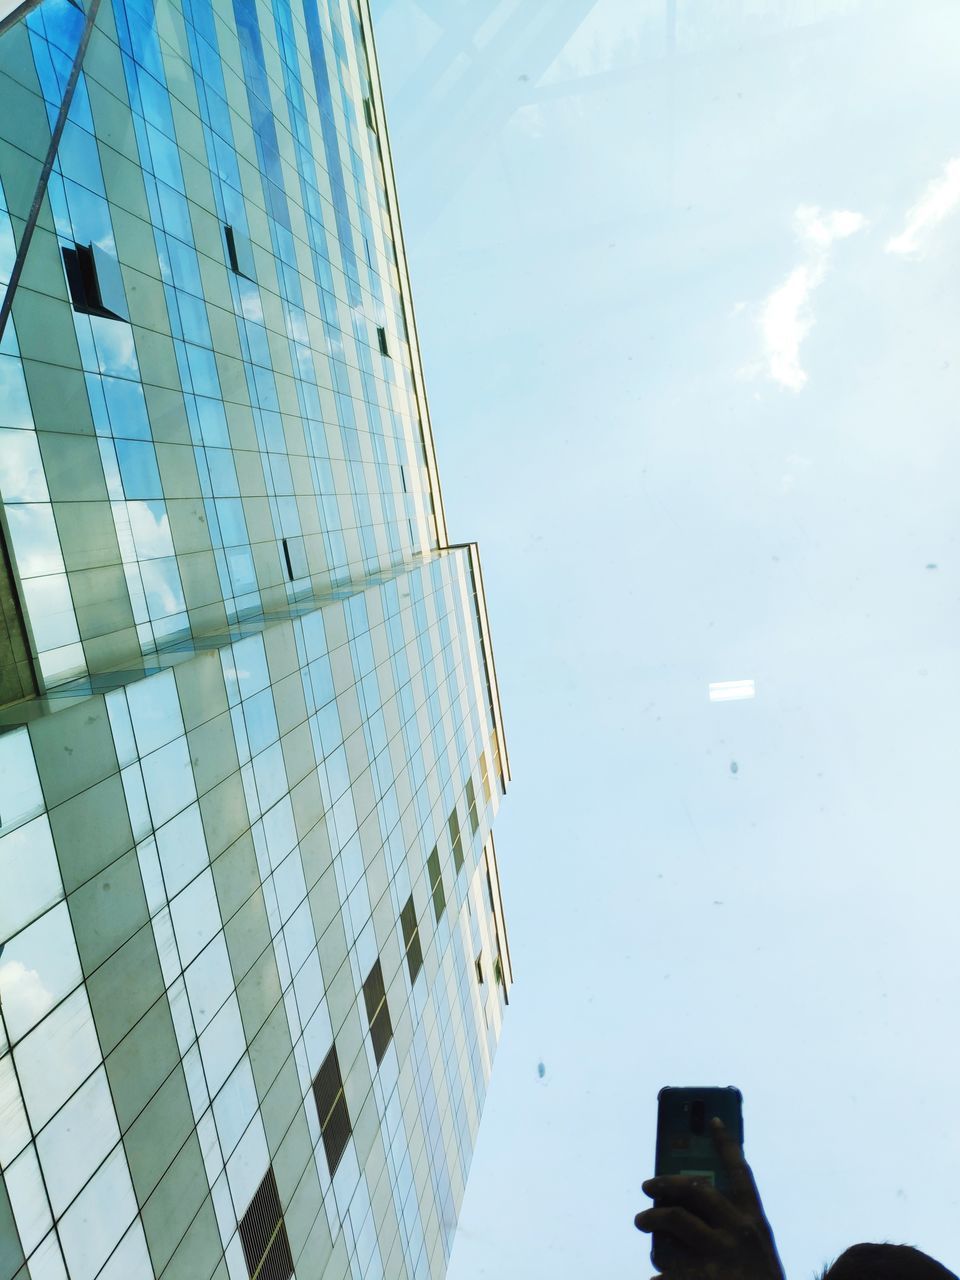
(885, 1262)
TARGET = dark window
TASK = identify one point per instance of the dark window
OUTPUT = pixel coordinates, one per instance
(95, 282)
(453, 826)
(498, 971)
(239, 252)
(378, 1015)
(472, 806)
(294, 557)
(332, 1109)
(485, 777)
(497, 762)
(479, 967)
(382, 339)
(368, 114)
(411, 938)
(263, 1235)
(436, 883)
(493, 905)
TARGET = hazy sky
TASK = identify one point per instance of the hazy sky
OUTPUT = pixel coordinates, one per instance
(687, 282)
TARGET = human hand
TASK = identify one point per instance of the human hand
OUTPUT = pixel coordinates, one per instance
(716, 1236)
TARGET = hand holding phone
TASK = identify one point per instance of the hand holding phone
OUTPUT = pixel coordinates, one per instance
(715, 1236)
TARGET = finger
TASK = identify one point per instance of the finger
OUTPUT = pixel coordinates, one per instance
(743, 1188)
(680, 1226)
(709, 1204)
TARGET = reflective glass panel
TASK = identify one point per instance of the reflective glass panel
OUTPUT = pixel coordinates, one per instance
(221, 1045)
(183, 850)
(153, 886)
(247, 673)
(150, 528)
(14, 1129)
(20, 793)
(248, 1164)
(50, 609)
(271, 778)
(47, 1262)
(77, 1139)
(280, 831)
(56, 1057)
(36, 543)
(131, 1258)
(127, 408)
(97, 1219)
(235, 1105)
(29, 872)
(28, 1200)
(196, 916)
(168, 778)
(161, 584)
(155, 711)
(138, 469)
(261, 721)
(136, 797)
(210, 982)
(38, 967)
(121, 726)
(21, 467)
(14, 402)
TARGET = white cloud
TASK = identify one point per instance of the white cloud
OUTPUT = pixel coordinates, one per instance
(940, 198)
(25, 997)
(150, 528)
(785, 315)
(785, 321)
(822, 229)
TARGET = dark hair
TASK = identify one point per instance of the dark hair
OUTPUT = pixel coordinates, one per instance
(885, 1262)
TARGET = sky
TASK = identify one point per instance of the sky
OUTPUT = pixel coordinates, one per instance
(684, 275)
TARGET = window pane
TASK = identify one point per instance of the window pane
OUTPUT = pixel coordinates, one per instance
(138, 469)
(127, 408)
(38, 968)
(36, 543)
(77, 1139)
(29, 872)
(94, 1223)
(50, 607)
(21, 469)
(57, 1057)
(14, 1129)
(28, 1200)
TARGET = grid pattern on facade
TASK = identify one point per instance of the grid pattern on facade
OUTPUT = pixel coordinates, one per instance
(267, 681)
(238, 368)
(211, 849)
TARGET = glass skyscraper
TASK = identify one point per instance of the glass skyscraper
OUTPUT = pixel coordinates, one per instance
(253, 961)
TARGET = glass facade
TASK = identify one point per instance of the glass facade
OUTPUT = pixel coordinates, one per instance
(253, 964)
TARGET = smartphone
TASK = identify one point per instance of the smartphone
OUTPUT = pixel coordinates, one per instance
(685, 1144)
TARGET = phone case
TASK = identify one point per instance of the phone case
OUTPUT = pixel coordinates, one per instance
(685, 1143)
